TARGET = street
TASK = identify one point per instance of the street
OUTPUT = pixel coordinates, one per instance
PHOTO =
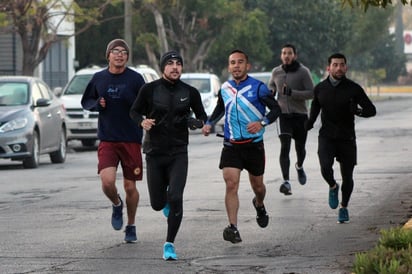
(56, 219)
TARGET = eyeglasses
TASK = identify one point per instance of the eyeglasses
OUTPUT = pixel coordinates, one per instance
(118, 51)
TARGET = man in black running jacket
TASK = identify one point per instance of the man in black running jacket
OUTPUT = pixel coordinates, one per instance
(339, 99)
(162, 109)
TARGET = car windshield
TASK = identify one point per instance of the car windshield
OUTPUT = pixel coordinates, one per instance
(202, 85)
(13, 94)
(78, 84)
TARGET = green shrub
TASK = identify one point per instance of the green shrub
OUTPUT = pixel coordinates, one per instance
(392, 255)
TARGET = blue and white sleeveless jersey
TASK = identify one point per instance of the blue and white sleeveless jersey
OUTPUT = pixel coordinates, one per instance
(242, 106)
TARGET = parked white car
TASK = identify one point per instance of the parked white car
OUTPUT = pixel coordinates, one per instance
(81, 123)
(208, 85)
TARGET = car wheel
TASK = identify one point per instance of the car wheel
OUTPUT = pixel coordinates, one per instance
(34, 159)
(88, 142)
(59, 156)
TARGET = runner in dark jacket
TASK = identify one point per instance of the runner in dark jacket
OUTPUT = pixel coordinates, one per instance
(339, 99)
(162, 109)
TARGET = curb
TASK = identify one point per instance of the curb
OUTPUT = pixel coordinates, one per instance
(408, 225)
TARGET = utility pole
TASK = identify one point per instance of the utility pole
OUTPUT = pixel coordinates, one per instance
(128, 27)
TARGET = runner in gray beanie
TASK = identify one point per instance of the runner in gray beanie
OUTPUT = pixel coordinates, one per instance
(115, 43)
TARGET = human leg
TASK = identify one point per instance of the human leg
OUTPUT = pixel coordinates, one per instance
(284, 161)
(259, 189)
(347, 182)
(326, 153)
(132, 199)
(347, 157)
(157, 181)
(231, 177)
(107, 166)
(178, 168)
(108, 179)
(300, 136)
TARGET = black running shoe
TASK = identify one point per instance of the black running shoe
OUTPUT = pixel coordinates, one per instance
(262, 217)
(301, 174)
(232, 235)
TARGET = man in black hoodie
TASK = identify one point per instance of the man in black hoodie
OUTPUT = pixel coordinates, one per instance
(340, 99)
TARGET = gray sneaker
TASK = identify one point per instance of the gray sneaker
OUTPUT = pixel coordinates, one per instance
(285, 188)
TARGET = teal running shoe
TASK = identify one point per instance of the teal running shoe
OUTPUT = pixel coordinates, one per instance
(166, 210)
(343, 216)
(334, 197)
(169, 253)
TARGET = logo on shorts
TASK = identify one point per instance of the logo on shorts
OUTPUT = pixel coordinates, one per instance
(137, 171)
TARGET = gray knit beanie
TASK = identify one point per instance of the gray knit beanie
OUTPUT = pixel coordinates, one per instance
(115, 43)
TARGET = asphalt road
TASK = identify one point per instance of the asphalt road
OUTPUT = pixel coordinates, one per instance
(55, 219)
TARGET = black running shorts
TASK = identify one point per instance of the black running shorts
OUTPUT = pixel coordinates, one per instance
(250, 156)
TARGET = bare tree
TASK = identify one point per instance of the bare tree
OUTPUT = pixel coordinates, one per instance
(37, 22)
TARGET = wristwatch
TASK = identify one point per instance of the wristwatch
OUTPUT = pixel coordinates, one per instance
(263, 123)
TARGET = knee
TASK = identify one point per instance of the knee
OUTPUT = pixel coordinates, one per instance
(130, 187)
(231, 186)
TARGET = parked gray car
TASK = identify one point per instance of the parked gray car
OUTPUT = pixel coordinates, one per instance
(32, 121)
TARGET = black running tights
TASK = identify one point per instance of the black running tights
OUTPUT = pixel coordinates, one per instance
(284, 160)
(166, 180)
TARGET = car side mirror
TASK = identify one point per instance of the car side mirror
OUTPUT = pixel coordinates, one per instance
(42, 102)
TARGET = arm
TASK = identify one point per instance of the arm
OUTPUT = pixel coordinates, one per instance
(197, 106)
(367, 109)
(218, 112)
(274, 109)
(140, 105)
(91, 99)
(314, 112)
(307, 92)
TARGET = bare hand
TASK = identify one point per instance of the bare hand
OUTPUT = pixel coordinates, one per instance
(148, 123)
(254, 127)
(102, 102)
(206, 130)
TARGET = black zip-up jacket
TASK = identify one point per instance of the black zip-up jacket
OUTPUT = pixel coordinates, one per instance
(170, 104)
(339, 105)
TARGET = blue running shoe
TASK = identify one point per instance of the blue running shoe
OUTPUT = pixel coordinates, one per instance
(117, 216)
(169, 253)
(130, 232)
(166, 210)
(343, 216)
(334, 197)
